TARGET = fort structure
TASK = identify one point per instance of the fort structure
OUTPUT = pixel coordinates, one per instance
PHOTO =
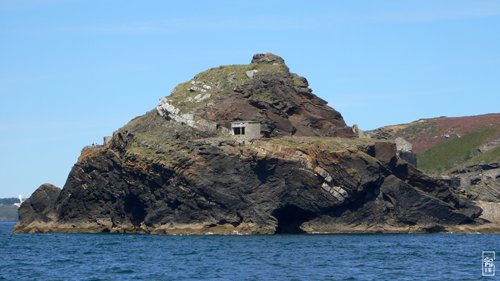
(405, 150)
(403, 145)
(246, 130)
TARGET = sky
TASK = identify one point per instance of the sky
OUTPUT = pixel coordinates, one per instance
(74, 71)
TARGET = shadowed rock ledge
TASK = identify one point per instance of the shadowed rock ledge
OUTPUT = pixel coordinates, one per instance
(177, 169)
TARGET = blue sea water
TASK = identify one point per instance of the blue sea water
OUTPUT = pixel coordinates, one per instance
(278, 257)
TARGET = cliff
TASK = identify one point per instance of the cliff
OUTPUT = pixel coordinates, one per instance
(177, 169)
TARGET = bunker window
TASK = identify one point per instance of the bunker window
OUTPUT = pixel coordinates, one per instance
(239, 130)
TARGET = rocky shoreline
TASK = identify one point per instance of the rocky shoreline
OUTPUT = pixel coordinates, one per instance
(251, 229)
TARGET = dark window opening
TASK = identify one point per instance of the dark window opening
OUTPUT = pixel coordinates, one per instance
(239, 130)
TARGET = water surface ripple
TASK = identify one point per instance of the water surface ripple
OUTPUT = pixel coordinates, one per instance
(278, 257)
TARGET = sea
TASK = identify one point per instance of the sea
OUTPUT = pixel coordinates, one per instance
(252, 257)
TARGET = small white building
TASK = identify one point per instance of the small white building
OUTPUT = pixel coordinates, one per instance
(246, 130)
(403, 145)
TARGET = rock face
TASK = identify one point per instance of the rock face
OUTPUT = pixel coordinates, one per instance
(177, 170)
(464, 152)
(41, 205)
(478, 182)
(264, 91)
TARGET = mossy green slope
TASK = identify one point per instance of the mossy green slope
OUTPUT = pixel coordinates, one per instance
(217, 81)
(457, 152)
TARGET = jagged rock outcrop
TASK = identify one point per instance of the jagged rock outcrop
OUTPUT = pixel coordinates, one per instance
(176, 170)
(264, 91)
(478, 182)
(40, 207)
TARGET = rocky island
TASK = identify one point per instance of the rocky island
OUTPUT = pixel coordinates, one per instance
(186, 168)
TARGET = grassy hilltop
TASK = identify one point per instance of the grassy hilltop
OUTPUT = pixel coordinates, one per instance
(443, 143)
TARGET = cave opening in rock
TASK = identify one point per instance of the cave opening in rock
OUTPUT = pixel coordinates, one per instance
(135, 208)
(290, 218)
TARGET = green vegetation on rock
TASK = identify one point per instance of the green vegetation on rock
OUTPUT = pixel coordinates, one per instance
(217, 81)
(487, 157)
(327, 144)
(413, 131)
(453, 152)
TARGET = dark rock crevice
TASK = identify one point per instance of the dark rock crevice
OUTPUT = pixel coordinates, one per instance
(290, 218)
(265, 168)
(135, 208)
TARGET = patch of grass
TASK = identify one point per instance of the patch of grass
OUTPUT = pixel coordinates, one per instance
(221, 80)
(298, 81)
(450, 153)
(154, 138)
(158, 149)
(90, 152)
(414, 130)
(264, 96)
(484, 158)
(324, 143)
(167, 152)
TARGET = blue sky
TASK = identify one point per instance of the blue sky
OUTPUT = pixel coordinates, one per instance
(74, 71)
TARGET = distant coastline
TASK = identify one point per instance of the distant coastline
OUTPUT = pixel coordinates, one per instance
(8, 212)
